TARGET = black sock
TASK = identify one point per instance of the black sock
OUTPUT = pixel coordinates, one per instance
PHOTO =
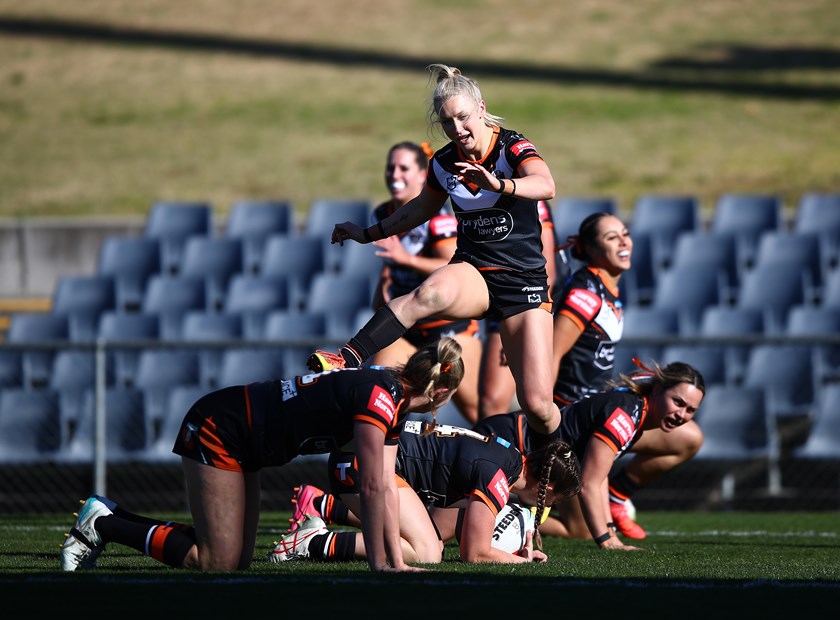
(333, 546)
(166, 543)
(621, 487)
(382, 329)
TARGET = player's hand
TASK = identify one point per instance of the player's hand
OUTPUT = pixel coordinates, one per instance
(529, 553)
(391, 248)
(475, 173)
(348, 230)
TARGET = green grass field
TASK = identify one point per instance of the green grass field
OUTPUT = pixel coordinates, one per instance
(695, 564)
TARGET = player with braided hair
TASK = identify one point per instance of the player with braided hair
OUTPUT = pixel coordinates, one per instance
(604, 426)
(453, 483)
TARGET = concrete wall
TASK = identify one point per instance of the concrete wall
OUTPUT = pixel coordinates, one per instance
(35, 253)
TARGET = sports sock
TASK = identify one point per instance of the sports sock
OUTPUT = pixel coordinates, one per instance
(334, 546)
(166, 542)
(621, 487)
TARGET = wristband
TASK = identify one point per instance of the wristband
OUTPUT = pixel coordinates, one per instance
(501, 186)
(367, 235)
(381, 229)
(513, 193)
(602, 538)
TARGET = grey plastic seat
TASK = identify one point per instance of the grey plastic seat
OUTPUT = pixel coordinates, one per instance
(253, 221)
(215, 260)
(172, 223)
(664, 217)
(130, 261)
(30, 429)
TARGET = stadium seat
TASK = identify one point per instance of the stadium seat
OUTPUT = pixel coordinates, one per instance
(715, 252)
(125, 428)
(290, 324)
(664, 217)
(165, 430)
(82, 299)
(641, 323)
(45, 330)
(569, 211)
(637, 283)
(791, 248)
(125, 334)
(710, 360)
(172, 222)
(240, 366)
(339, 296)
(689, 289)
(256, 294)
(130, 261)
(823, 441)
(30, 429)
(773, 289)
(830, 297)
(357, 258)
(169, 297)
(158, 371)
(254, 221)
(202, 326)
(11, 368)
(325, 213)
(730, 323)
(746, 217)
(73, 372)
(786, 372)
(819, 213)
(215, 260)
(296, 258)
(817, 323)
(737, 434)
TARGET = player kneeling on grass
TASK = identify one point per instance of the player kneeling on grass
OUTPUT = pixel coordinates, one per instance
(464, 477)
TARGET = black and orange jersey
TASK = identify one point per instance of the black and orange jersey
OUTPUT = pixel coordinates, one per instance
(596, 309)
(419, 241)
(452, 464)
(614, 416)
(269, 423)
(494, 231)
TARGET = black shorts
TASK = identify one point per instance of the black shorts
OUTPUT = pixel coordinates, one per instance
(512, 293)
(215, 431)
(431, 331)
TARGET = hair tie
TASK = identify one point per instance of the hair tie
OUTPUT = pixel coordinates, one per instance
(445, 368)
(427, 149)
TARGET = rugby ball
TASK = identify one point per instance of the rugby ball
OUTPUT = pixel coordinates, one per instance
(513, 524)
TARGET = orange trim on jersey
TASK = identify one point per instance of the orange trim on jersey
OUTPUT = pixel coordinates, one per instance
(248, 407)
(154, 548)
(574, 318)
(486, 500)
(597, 271)
(604, 438)
(371, 420)
(547, 305)
(401, 483)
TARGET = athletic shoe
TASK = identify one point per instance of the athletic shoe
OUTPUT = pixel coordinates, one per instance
(84, 544)
(624, 524)
(304, 501)
(295, 545)
(324, 360)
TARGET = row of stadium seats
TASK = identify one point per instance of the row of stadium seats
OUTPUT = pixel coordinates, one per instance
(51, 425)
